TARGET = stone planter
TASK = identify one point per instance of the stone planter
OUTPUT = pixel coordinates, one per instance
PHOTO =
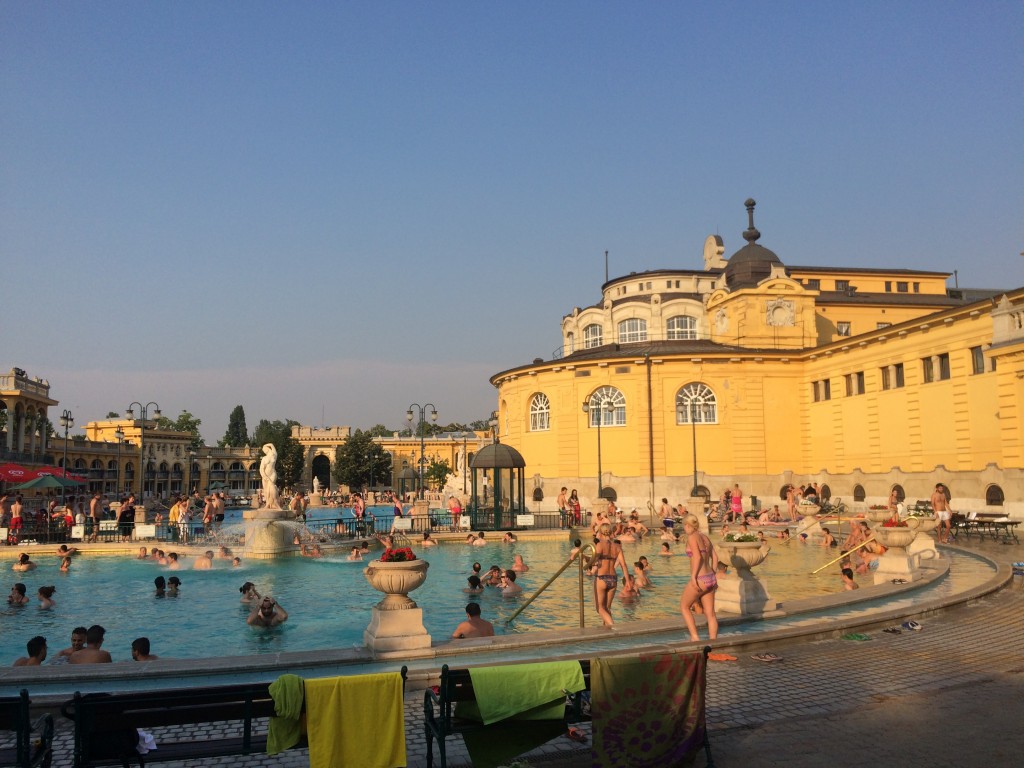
(878, 515)
(923, 545)
(923, 524)
(396, 581)
(808, 510)
(741, 591)
(894, 539)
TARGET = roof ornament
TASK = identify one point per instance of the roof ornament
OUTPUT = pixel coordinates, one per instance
(751, 234)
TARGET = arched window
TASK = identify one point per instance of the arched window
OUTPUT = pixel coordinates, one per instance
(607, 406)
(540, 413)
(703, 492)
(994, 496)
(607, 492)
(824, 492)
(696, 401)
(632, 330)
(858, 493)
(682, 327)
(592, 336)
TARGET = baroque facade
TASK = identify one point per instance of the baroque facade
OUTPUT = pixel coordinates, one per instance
(753, 372)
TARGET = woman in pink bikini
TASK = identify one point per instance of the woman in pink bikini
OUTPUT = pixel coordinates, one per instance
(703, 582)
(607, 557)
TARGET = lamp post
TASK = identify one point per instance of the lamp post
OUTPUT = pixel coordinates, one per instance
(419, 426)
(119, 434)
(591, 404)
(144, 413)
(681, 411)
(188, 482)
(67, 421)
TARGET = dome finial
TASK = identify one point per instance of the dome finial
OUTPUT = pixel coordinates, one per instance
(751, 235)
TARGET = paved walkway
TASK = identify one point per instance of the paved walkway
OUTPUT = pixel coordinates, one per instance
(949, 695)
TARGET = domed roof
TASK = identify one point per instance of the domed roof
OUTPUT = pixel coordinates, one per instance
(497, 456)
(752, 263)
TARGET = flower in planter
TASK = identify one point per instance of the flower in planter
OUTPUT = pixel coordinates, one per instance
(740, 537)
(894, 524)
(398, 555)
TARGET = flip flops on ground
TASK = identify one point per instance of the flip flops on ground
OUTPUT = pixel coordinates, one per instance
(912, 626)
(721, 657)
(577, 735)
(893, 630)
(766, 657)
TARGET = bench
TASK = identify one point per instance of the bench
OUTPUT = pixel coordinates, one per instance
(34, 741)
(995, 524)
(105, 723)
(456, 686)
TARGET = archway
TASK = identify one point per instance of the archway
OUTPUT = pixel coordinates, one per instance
(321, 471)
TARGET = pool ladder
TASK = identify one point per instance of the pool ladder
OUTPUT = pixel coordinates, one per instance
(585, 553)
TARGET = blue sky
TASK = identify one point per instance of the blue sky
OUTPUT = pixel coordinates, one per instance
(327, 211)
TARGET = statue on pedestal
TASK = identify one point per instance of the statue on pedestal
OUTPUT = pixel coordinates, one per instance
(268, 473)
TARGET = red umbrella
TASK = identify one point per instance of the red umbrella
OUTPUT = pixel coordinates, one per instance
(12, 473)
(56, 472)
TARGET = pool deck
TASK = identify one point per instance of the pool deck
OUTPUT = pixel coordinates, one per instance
(949, 695)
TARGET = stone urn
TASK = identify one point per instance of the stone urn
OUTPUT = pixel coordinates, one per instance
(396, 581)
(878, 515)
(744, 555)
(396, 622)
(923, 524)
(923, 545)
(808, 510)
(895, 539)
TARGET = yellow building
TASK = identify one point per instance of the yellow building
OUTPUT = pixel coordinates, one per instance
(752, 372)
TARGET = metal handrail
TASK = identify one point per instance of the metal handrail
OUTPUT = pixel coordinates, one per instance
(587, 551)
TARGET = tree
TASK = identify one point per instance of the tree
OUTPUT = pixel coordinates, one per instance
(185, 422)
(359, 461)
(237, 435)
(291, 457)
(113, 415)
(379, 430)
(435, 474)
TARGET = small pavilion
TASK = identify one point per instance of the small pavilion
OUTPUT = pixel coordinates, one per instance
(499, 487)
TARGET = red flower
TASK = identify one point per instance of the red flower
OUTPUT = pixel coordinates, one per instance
(398, 555)
(894, 524)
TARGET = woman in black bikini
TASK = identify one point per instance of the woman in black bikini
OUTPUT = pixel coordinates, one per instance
(703, 581)
(607, 557)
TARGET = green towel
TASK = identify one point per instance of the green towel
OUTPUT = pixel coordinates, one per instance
(523, 706)
(286, 729)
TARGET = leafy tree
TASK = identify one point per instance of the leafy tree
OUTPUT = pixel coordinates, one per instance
(480, 425)
(379, 430)
(237, 435)
(359, 461)
(113, 415)
(291, 457)
(185, 422)
(435, 474)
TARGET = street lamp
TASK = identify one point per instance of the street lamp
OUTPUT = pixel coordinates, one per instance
(144, 412)
(681, 413)
(67, 421)
(593, 407)
(188, 482)
(419, 426)
(119, 434)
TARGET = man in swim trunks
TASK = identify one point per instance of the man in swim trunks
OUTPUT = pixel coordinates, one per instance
(267, 613)
(473, 626)
(942, 511)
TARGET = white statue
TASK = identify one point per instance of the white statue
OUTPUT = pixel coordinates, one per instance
(268, 472)
(316, 484)
(460, 460)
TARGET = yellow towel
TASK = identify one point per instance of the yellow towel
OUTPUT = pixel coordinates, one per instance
(356, 722)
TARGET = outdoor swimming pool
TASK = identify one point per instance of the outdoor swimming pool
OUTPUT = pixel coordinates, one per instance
(329, 600)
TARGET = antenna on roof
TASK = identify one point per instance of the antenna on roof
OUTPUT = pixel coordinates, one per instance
(606, 266)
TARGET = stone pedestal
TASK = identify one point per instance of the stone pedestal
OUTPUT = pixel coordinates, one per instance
(695, 507)
(420, 508)
(923, 544)
(896, 563)
(743, 593)
(396, 622)
(269, 533)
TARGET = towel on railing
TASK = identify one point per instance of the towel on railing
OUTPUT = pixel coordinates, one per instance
(286, 729)
(343, 712)
(647, 711)
(523, 706)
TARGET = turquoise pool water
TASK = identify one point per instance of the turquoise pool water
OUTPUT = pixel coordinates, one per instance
(329, 599)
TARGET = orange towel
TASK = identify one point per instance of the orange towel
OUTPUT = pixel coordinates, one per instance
(342, 711)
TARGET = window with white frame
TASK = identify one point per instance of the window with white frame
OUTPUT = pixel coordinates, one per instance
(681, 327)
(632, 330)
(592, 336)
(696, 404)
(607, 406)
(540, 413)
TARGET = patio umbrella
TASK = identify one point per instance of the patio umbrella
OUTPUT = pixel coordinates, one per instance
(47, 481)
(217, 485)
(57, 472)
(13, 473)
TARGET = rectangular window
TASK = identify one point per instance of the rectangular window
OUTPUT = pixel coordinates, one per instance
(892, 376)
(888, 286)
(855, 383)
(842, 285)
(899, 375)
(668, 283)
(886, 384)
(943, 367)
(843, 328)
(901, 286)
(822, 390)
(927, 370)
(977, 360)
(935, 368)
(917, 287)
(814, 284)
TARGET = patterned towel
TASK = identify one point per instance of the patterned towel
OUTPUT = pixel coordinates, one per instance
(648, 711)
